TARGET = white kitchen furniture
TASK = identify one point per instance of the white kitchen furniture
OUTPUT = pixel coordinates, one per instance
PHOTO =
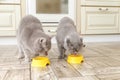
(98, 16)
(10, 15)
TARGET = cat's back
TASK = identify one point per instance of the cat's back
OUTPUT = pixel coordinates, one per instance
(28, 25)
(28, 20)
(66, 20)
(66, 25)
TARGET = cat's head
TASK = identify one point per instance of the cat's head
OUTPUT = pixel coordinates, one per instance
(42, 45)
(73, 44)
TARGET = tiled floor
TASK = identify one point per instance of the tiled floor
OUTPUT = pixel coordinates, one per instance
(102, 62)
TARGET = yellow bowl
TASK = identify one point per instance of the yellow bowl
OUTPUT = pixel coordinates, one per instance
(40, 61)
(75, 59)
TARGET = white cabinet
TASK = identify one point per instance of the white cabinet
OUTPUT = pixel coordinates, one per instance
(99, 20)
(100, 2)
(98, 16)
(9, 19)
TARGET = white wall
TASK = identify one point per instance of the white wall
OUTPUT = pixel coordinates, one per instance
(88, 38)
(8, 41)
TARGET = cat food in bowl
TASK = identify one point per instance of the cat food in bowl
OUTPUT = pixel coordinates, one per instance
(75, 59)
(40, 61)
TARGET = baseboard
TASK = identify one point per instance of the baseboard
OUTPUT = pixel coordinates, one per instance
(101, 38)
(86, 38)
(8, 41)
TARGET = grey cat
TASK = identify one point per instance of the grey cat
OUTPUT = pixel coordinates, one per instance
(32, 41)
(67, 37)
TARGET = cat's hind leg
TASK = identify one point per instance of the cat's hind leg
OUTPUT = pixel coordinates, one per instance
(20, 52)
(61, 51)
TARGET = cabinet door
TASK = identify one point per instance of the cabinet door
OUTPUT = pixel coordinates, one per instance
(10, 1)
(9, 19)
(99, 20)
(101, 2)
(50, 29)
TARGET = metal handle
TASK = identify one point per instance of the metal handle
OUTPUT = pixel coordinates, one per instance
(52, 31)
(102, 9)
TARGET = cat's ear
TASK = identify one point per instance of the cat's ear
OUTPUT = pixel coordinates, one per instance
(81, 39)
(42, 40)
(51, 36)
(68, 40)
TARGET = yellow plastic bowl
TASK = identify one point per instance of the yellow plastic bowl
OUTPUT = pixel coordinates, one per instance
(40, 61)
(75, 59)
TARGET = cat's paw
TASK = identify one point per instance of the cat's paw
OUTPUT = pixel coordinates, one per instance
(20, 56)
(61, 57)
(65, 56)
(27, 60)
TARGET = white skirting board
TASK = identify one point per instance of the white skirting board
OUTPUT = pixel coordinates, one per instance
(86, 38)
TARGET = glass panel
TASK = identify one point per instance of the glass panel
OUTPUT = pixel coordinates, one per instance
(52, 6)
